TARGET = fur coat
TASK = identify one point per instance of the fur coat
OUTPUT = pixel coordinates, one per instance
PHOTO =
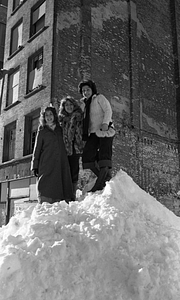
(71, 125)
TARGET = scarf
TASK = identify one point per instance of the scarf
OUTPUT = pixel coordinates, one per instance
(86, 119)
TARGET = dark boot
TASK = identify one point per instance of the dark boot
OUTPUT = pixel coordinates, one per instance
(95, 170)
(74, 191)
(100, 182)
(109, 176)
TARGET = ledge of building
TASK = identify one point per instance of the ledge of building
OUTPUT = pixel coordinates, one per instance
(37, 33)
(18, 7)
(36, 90)
(16, 161)
(15, 52)
(11, 105)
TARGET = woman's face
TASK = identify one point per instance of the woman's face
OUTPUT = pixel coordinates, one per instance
(69, 107)
(86, 91)
(49, 117)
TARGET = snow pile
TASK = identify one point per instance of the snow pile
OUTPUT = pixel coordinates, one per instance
(117, 244)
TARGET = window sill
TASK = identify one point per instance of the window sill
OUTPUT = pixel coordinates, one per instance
(12, 105)
(15, 52)
(36, 90)
(15, 161)
(37, 33)
(17, 8)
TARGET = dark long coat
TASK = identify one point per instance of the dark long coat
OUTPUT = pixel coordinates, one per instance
(50, 158)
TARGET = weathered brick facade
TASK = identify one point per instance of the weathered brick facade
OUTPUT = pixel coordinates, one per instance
(131, 50)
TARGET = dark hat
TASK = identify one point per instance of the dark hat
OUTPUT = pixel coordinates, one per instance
(90, 83)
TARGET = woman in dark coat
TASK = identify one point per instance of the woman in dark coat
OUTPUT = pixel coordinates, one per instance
(49, 161)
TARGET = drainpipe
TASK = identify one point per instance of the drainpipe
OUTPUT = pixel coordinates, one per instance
(130, 62)
(176, 65)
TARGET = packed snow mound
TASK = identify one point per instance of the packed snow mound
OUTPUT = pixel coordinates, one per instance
(117, 244)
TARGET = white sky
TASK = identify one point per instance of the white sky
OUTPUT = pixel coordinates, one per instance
(118, 244)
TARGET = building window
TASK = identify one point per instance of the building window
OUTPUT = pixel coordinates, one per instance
(13, 88)
(16, 3)
(16, 37)
(2, 43)
(2, 34)
(9, 141)
(31, 127)
(37, 17)
(4, 2)
(35, 67)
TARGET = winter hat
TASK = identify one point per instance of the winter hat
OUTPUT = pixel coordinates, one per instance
(90, 83)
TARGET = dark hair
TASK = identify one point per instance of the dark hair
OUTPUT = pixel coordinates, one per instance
(42, 121)
(62, 110)
(90, 83)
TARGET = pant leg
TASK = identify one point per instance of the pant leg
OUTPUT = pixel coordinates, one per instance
(90, 150)
(74, 166)
(104, 162)
(105, 152)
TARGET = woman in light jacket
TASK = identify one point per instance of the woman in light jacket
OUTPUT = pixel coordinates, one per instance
(98, 132)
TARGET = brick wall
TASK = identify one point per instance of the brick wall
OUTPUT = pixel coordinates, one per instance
(127, 48)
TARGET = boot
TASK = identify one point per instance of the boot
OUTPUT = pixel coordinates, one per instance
(100, 182)
(109, 176)
(95, 170)
(74, 191)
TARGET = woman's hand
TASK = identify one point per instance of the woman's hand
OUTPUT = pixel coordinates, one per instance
(104, 127)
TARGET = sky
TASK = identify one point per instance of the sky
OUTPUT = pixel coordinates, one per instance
(115, 244)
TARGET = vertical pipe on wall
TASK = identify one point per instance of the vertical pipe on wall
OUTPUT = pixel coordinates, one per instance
(176, 64)
(85, 40)
(54, 54)
(8, 203)
(130, 62)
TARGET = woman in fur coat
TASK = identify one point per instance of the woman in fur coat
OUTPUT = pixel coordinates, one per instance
(49, 161)
(71, 118)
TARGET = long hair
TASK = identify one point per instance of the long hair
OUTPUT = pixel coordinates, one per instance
(62, 110)
(42, 121)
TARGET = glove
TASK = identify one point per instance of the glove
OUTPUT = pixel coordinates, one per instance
(104, 127)
(35, 172)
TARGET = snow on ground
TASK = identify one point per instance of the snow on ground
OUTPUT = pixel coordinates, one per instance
(118, 244)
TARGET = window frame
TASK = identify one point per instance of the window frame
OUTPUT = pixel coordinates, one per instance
(8, 102)
(32, 61)
(16, 5)
(28, 122)
(8, 153)
(33, 29)
(4, 3)
(16, 26)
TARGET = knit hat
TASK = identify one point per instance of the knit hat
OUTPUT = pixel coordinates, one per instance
(90, 83)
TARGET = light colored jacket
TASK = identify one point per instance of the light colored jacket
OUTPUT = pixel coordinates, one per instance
(100, 112)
